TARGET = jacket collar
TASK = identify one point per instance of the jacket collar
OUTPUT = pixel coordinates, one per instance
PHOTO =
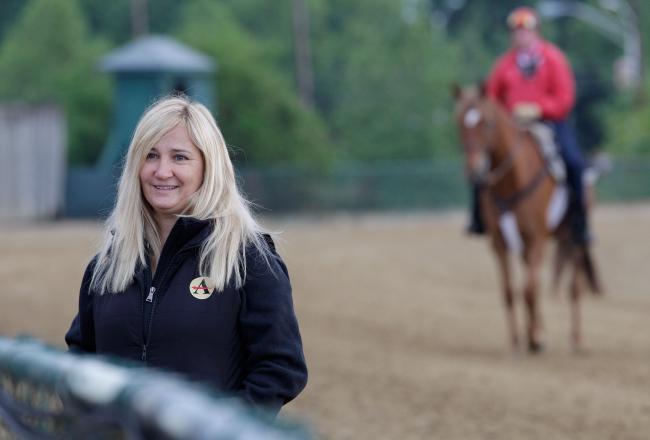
(187, 232)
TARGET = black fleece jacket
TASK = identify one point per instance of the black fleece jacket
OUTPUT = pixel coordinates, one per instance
(241, 341)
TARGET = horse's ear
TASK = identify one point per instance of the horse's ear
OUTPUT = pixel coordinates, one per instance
(482, 88)
(456, 91)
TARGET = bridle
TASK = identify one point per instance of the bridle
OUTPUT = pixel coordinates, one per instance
(490, 178)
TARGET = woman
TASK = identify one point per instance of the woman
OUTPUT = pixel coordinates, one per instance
(186, 280)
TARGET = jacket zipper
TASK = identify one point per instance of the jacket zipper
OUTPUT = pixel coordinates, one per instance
(151, 298)
(152, 291)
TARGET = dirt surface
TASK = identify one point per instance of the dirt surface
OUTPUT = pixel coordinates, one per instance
(403, 327)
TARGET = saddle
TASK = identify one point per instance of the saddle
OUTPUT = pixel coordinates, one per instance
(545, 138)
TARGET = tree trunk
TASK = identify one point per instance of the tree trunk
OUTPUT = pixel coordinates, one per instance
(139, 18)
(302, 52)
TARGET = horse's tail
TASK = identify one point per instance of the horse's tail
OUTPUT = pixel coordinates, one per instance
(587, 264)
(580, 256)
(562, 257)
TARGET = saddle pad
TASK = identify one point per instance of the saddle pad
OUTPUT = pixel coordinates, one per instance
(557, 206)
(545, 138)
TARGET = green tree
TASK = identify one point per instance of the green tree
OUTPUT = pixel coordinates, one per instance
(382, 81)
(112, 19)
(47, 56)
(627, 128)
(257, 106)
(9, 10)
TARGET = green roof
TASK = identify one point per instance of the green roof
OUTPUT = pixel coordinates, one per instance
(156, 53)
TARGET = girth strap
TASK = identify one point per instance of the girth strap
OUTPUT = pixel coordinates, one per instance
(507, 203)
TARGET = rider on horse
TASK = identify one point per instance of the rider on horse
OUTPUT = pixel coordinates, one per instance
(534, 81)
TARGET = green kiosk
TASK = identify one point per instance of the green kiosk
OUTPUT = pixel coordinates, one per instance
(144, 69)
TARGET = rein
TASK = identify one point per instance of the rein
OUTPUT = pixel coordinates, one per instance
(495, 176)
(507, 203)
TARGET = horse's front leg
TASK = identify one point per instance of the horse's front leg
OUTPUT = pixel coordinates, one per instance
(508, 291)
(533, 253)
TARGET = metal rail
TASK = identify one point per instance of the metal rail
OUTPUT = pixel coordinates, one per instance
(47, 393)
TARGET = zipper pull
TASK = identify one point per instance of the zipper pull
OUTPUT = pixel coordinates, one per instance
(152, 290)
(144, 352)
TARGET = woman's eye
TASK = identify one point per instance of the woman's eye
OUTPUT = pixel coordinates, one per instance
(180, 157)
(151, 156)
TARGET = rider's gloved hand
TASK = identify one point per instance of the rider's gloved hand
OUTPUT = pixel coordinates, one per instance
(527, 112)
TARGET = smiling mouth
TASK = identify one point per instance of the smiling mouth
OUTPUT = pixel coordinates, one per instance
(165, 187)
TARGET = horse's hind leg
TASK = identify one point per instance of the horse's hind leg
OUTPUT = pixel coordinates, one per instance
(508, 294)
(575, 294)
(562, 257)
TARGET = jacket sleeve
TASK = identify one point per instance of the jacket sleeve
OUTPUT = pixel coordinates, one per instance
(558, 99)
(494, 85)
(81, 335)
(275, 370)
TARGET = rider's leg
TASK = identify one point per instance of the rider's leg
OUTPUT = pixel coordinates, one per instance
(572, 155)
(476, 224)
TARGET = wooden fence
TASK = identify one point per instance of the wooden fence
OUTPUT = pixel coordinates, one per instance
(32, 161)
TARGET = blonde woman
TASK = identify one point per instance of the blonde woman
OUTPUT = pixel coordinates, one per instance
(186, 279)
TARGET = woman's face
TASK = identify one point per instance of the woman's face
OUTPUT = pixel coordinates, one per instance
(171, 173)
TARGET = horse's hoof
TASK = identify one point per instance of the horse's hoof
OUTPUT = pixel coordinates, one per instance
(535, 347)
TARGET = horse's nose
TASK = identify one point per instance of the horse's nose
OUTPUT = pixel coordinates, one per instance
(478, 168)
(476, 178)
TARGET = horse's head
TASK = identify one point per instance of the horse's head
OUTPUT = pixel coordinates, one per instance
(476, 122)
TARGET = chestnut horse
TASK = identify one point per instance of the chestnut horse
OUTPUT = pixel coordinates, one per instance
(516, 189)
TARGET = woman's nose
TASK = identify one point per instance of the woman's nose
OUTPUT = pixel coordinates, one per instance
(164, 168)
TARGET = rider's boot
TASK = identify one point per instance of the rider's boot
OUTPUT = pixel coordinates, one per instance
(476, 225)
(580, 225)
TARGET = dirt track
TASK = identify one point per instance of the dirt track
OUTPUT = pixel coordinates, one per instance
(403, 327)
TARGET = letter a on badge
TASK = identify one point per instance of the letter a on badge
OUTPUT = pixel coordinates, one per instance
(201, 288)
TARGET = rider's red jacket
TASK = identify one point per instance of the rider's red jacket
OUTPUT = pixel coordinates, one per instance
(551, 86)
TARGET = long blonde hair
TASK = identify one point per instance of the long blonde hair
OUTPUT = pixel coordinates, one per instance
(131, 233)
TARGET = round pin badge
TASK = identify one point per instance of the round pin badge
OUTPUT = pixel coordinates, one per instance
(201, 287)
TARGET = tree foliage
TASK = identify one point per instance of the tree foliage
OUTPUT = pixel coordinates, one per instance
(382, 81)
(112, 19)
(47, 56)
(257, 107)
(382, 70)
